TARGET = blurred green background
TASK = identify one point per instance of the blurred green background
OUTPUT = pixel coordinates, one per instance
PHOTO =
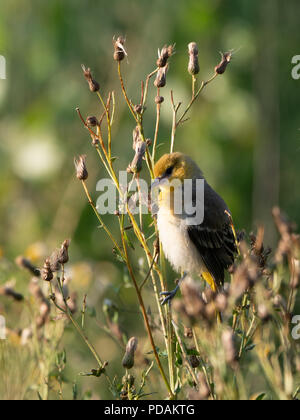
(243, 131)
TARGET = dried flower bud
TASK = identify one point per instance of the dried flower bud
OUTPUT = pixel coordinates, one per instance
(163, 55)
(46, 272)
(193, 66)
(194, 361)
(161, 80)
(63, 255)
(128, 359)
(139, 109)
(25, 263)
(188, 332)
(159, 99)
(119, 50)
(93, 84)
(9, 291)
(92, 121)
(55, 265)
(128, 380)
(81, 170)
(226, 58)
(137, 162)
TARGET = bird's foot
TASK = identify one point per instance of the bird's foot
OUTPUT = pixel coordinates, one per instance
(168, 296)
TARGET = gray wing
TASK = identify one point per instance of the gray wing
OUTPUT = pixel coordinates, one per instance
(214, 238)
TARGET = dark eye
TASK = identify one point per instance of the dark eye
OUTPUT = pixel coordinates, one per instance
(169, 171)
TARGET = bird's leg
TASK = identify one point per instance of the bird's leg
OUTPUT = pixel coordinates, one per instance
(168, 296)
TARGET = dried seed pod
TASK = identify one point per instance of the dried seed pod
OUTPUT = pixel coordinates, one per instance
(136, 137)
(55, 265)
(137, 162)
(139, 108)
(25, 263)
(226, 58)
(161, 75)
(159, 99)
(93, 84)
(63, 255)
(119, 50)
(128, 380)
(188, 332)
(81, 169)
(194, 361)
(163, 55)
(128, 359)
(193, 66)
(92, 121)
(9, 291)
(46, 272)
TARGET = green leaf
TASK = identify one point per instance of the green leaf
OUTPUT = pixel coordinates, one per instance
(260, 397)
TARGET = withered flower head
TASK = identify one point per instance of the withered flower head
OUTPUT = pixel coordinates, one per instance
(93, 84)
(136, 164)
(163, 55)
(63, 255)
(81, 169)
(193, 66)
(46, 272)
(226, 58)
(160, 80)
(159, 99)
(119, 50)
(92, 121)
(25, 263)
(128, 359)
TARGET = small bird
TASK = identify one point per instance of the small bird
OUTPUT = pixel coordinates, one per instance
(206, 249)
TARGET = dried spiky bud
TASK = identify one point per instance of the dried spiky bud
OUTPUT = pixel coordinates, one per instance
(139, 109)
(226, 58)
(119, 50)
(9, 291)
(159, 99)
(163, 55)
(128, 380)
(93, 84)
(188, 332)
(161, 77)
(228, 341)
(63, 255)
(46, 272)
(25, 263)
(128, 359)
(92, 121)
(193, 66)
(136, 165)
(81, 170)
(194, 361)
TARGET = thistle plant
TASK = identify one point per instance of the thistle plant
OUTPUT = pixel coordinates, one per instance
(252, 353)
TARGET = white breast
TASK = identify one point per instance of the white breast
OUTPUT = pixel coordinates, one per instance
(177, 246)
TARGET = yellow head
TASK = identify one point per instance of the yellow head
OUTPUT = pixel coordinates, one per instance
(176, 166)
